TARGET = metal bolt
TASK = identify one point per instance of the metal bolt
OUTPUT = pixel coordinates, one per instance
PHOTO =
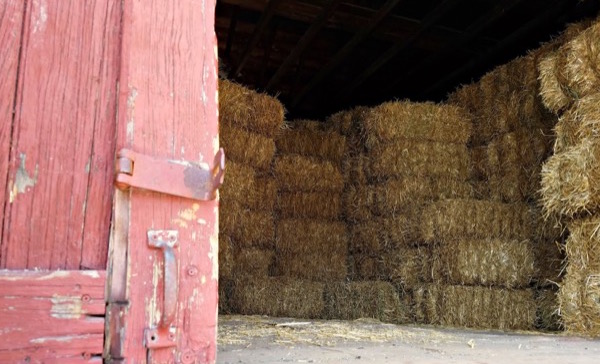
(192, 270)
(86, 355)
(86, 298)
(187, 357)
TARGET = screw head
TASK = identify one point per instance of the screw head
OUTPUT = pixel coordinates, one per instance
(192, 271)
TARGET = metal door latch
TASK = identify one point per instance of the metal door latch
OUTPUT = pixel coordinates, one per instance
(173, 177)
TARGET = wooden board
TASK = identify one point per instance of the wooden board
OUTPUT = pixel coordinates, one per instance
(11, 21)
(168, 109)
(59, 180)
(51, 317)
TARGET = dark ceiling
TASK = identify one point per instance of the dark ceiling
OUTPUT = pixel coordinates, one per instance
(323, 56)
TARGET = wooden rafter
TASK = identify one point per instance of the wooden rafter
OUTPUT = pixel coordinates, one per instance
(428, 21)
(304, 42)
(260, 27)
(470, 33)
(342, 54)
(553, 10)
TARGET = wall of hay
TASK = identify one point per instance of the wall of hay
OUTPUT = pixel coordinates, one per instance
(450, 214)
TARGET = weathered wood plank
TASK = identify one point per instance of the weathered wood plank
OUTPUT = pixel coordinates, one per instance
(51, 316)
(64, 100)
(11, 21)
(168, 108)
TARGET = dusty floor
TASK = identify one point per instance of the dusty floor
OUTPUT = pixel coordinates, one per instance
(254, 339)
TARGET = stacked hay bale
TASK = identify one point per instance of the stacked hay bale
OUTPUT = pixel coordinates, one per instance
(484, 263)
(402, 156)
(570, 79)
(249, 122)
(511, 140)
(311, 237)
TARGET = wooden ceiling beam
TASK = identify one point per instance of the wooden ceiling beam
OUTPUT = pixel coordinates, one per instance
(428, 21)
(304, 42)
(342, 54)
(552, 11)
(348, 17)
(470, 33)
(266, 16)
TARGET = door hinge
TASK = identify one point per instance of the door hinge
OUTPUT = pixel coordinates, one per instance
(173, 177)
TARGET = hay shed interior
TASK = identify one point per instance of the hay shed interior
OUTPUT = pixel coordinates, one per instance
(413, 162)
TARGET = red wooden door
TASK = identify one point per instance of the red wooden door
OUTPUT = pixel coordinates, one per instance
(67, 67)
(59, 68)
(168, 110)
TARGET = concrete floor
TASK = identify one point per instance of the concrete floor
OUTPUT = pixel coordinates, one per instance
(254, 339)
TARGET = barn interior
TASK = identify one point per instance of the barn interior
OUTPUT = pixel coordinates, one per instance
(414, 162)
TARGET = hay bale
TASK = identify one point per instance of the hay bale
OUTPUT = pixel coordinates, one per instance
(399, 120)
(580, 122)
(237, 184)
(553, 95)
(247, 228)
(579, 59)
(487, 262)
(224, 292)
(486, 307)
(248, 148)
(571, 180)
(278, 296)
(304, 236)
(579, 295)
(363, 267)
(400, 195)
(262, 195)
(298, 173)
(345, 122)
(474, 219)
(383, 233)
(547, 317)
(355, 170)
(247, 109)
(407, 267)
(254, 262)
(304, 140)
(424, 303)
(315, 205)
(549, 262)
(314, 267)
(367, 299)
(467, 97)
(416, 158)
(226, 258)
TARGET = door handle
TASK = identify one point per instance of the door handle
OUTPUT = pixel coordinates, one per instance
(164, 335)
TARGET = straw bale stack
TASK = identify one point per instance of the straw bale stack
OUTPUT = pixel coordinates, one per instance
(298, 173)
(315, 205)
(315, 267)
(383, 233)
(367, 299)
(254, 262)
(399, 120)
(408, 267)
(306, 236)
(306, 139)
(571, 180)
(247, 109)
(278, 296)
(248, 228)
(547, 314)
(419, 158)
(572, 71)
(487, 262)
(579, 294)
(476, 219)
(479, 307)
(246, 147)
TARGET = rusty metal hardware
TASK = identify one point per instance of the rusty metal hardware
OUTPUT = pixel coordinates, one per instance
(165, 334)
(173, 177)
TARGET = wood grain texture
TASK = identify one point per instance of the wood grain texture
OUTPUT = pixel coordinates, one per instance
(11, 21)
(168, 108)
(51, 316)
(59, 190)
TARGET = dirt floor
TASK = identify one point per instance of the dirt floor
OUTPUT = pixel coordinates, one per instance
(255, 339)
